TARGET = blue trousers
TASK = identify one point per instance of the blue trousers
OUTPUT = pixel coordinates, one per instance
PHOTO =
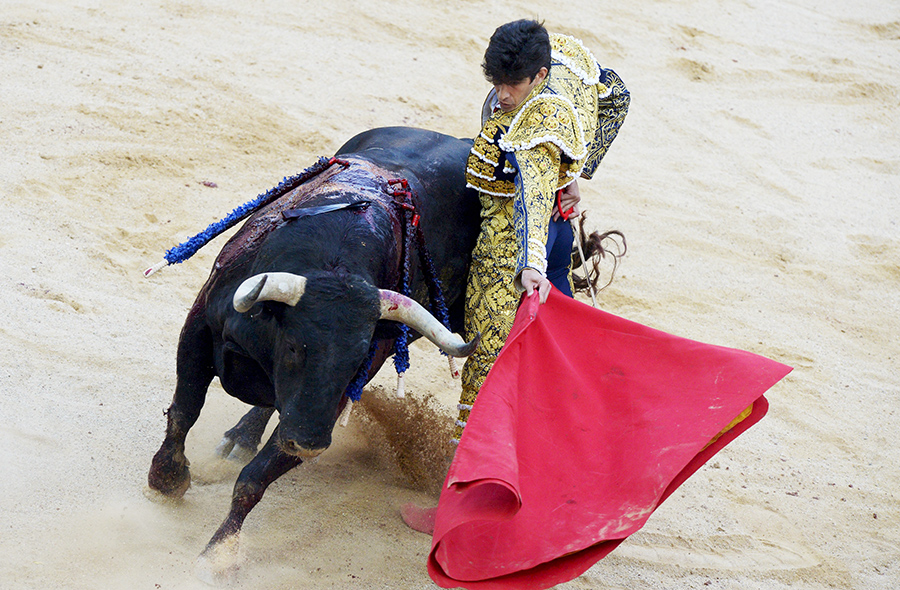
(559, 254)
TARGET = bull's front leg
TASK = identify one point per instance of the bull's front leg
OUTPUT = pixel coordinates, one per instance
(239, 444)
(169, 473)
(219, 559)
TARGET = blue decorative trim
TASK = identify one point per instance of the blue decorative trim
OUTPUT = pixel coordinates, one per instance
(521, 212)
(355, 389)
(186, 249)
(438, 306)
(401, 344)
(401, 350)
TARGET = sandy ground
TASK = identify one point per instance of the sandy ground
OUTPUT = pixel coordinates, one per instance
(756, 179)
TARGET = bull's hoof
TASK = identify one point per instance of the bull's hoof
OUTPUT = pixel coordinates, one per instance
(241, 454)
(224, 447)
(170, 479)
(173, 488)
(235, 452)
(218, 564)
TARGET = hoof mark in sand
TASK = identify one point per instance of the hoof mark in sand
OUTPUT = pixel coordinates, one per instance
(695, 70)
(52, 296)
(160, 498)
(218, 564)
(886, 31)
(722, 552)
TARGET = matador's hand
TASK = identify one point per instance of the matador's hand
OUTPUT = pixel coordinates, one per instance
(569, 199)
(531, 280)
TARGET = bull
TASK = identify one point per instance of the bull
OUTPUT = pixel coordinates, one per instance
(293, 303)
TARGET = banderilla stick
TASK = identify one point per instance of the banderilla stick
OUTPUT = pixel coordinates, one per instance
(584, 265)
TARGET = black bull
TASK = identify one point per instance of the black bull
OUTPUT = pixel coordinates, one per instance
(274, 347)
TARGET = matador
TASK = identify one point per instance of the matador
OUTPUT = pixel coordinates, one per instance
(540, 133)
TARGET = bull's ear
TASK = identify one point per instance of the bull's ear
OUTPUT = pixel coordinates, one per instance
(284, 287)
(368, 297)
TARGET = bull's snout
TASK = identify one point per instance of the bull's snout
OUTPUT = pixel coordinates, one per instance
(291, 446)
(300, 432)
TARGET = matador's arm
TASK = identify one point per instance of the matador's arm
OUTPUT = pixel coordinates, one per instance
(536, 181)
(612, 110)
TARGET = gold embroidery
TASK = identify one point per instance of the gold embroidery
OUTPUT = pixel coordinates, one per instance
(575, 56)
(561, 130)
(505, 188)
(482, 169)
(533, 207)
(540, 121)
(490, 128)
(612, 106)
(490, 151)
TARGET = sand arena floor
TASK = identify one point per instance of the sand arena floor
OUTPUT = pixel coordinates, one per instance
(756, 179)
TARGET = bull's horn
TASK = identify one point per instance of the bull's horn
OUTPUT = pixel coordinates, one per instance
(401, 308)
(271, 286)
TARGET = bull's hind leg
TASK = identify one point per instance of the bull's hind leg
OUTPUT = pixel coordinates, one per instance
(240, 443)
(169, 473)
(219, 559)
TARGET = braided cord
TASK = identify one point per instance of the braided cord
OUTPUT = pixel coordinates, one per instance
(355, 389)
(435, 289)
(188, 248)
(412, 230)
(401, 345)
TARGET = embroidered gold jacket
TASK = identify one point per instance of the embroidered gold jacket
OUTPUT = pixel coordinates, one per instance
(562, 130)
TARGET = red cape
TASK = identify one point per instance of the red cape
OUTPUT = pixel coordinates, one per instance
(585, 424)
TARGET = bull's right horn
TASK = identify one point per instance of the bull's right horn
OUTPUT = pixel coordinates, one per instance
(400, 308)
(271, 286)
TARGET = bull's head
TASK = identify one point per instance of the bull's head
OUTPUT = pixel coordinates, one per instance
(319, 339)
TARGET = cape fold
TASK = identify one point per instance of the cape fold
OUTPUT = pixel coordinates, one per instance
(585, 424)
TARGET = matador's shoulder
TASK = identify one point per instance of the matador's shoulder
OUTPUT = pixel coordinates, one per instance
(546, 118)
(571, 53)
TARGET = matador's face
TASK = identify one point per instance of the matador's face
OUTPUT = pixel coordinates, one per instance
(511, 96)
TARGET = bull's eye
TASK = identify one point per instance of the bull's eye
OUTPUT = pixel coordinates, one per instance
(260, 310)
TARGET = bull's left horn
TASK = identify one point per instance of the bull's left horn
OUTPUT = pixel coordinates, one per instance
(271, 286)
(401, 308)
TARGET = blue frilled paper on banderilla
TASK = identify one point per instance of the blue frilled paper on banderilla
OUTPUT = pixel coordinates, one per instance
(585, 424)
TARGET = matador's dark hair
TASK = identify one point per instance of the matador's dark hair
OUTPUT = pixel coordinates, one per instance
(517, 50)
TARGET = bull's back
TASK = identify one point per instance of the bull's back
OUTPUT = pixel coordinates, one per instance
(435, 165)
(420, 149)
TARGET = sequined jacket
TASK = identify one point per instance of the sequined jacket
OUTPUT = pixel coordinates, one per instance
(562, 130)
